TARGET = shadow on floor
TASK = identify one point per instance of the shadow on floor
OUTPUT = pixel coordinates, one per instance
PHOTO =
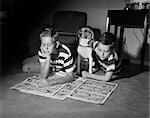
(131, 70)
(11, 67)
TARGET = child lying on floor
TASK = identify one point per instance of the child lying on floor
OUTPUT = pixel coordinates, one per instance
(106, 57)
(53, 59)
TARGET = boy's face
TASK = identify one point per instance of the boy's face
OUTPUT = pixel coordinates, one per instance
(47, 45)
(103, 51)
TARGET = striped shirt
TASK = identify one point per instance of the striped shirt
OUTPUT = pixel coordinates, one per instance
(112, 63)
(62, 62)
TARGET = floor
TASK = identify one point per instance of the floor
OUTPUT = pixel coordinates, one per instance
(129, 100)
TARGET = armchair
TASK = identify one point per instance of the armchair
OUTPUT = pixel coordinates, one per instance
(67, 23)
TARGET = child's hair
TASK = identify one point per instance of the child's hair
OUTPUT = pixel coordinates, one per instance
(48, 32)
(107, 38)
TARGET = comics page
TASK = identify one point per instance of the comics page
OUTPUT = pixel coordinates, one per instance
(33, 85)
(83, 89)
(93, 91)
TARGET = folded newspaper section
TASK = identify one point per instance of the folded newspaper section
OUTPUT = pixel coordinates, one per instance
(81, 89)
(33, 85)
(93, 91)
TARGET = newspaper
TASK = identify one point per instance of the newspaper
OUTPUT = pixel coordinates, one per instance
(83, 89)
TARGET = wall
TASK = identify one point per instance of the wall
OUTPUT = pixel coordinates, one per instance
(97, 11)
(34, 13)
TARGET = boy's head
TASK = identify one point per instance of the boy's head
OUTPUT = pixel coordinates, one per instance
(105, 45)
(85, 35)
(48, 38)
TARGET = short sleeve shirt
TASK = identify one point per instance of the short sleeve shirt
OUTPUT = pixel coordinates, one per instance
(112, 63)
(63, 61)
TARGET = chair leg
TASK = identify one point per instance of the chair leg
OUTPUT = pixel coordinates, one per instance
(78, 64)
(121, 40)
(143, 47)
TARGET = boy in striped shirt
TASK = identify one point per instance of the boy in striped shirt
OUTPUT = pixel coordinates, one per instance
(55, 59)
(106, 58)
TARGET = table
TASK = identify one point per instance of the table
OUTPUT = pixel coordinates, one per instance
(129, 19)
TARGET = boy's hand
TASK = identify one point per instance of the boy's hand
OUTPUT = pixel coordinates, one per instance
(44, 82)
(85, 74)
(51, 82)
(47, 54)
